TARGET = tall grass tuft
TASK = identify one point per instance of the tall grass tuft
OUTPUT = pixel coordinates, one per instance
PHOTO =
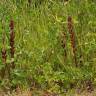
(72, 38)
(12, 48)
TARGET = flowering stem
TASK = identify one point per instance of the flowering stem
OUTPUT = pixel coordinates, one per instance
(12, 48)
(72, 37)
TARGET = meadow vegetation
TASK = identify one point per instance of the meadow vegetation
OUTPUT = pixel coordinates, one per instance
(48, 45)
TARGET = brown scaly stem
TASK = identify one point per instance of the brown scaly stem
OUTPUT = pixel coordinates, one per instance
(72, 37)
(4, 55)
(3, 51)
(12, 48)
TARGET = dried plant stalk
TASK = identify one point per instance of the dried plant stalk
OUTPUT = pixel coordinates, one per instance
(12, 48)
(72, 37)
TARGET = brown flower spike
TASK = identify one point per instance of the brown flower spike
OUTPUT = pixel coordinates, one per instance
(72, 38)
(4, 55)
(12, 48)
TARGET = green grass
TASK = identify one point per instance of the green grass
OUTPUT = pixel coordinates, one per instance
(39, 56)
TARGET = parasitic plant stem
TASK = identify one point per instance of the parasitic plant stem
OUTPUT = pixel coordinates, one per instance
(3, 51)
(12, 48)
(72, 37)
(4, 55)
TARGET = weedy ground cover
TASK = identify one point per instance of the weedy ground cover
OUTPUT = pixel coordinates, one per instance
(48, 45)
